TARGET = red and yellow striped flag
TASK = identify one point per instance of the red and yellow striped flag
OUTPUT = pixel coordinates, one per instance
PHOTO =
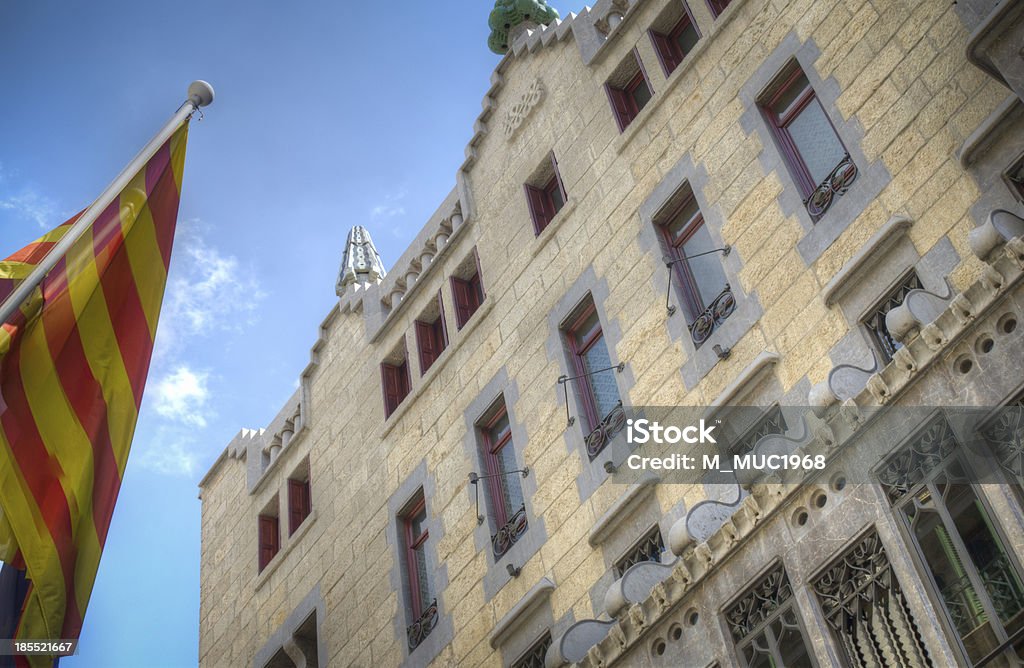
(73, 365)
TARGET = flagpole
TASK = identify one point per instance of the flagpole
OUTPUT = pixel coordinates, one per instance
(200, 94)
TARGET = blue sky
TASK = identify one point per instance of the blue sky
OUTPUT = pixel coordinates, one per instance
(328, 115)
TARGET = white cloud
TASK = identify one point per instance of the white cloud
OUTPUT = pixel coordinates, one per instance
(31, 205)
(390, 207)
(182, 396)
(170, 453)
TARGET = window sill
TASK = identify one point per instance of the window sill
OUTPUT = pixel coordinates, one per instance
(548, 232)
(292, 540)
(435, 368)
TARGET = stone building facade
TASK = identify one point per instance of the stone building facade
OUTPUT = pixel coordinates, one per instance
(809, 208)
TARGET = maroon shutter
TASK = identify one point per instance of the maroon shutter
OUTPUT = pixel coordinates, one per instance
(667, 54)
(476, 293)
(558, 177)
(268, 539)
(426, 345)
(443, 325)
(297, 510)
(463, 309)
(389, 375)
(540, 210)
(620, 106)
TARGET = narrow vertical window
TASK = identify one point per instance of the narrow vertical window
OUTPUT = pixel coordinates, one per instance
(396, 382)
(534, 656)
(875, 321)
(765, 627)
(299, 502)
(545, 194)
(959, 544)
(467, 290)
(628, 90)
(813, 151)
(431, 334)
(508, 505)
(595, 375)
(422, 603)
(717, 6)
(649, 548)
(704, 290)
(269, 534)
(1015, 178)
(677, 40)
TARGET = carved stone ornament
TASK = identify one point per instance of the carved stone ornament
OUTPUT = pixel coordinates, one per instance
(519, 111)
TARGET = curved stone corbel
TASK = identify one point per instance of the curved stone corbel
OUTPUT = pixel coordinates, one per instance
(919, 308)
(879, 389)
(635, 585)
(1000, 227)
(992, 279)
(933, 337)
(845, 381)
(576, 643)
(820, 397)
(1014, 250)
(638, 618)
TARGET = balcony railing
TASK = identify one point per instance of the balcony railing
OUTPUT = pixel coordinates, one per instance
(836, 183)
(603, 433)
(418, 631)
(713, 316)
(508, 534)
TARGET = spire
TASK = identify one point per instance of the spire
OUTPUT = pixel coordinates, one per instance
(360, 265)
(510, 17)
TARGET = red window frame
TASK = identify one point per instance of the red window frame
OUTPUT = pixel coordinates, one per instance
(689, 286)
(431, 338)
(468, 295)
(412, 544)
(492, 463)
(541, 201)
(269, 539)
(624, 106)
(670, 54)
(396, 383)
(717, 7)
(299, 503)
(780, 126)
(578, 350)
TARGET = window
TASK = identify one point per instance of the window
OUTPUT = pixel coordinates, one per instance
(648, 548)
(862, 601)
(764, 625)
(595, 377)
(396, 381)
(717, 7)
(467, 290)
(545, 194)
(534, 656)
(772, 422)
(431, 334)
(422, 604)
(299, 502)
(706, 296)
(1015, 178)
(628, 90)
(269, 534)
(816, 157)
(1005, 434)
(958, 542)
(673, 44)
(508, 505)
(875, 322)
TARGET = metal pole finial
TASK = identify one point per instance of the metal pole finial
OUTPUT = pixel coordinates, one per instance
(200, 93)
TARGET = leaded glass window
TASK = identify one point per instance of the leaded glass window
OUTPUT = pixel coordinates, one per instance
(1005, 433)
(866, 610)
(764, 625)
(595, 375)
(508, 505)
(648, 548)
(875, 322)
(959, 542)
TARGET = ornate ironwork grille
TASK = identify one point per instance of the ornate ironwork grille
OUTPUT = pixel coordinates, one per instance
(605, 431)
(834, 185)
(713, 316)
(1006, 436)
(1015, 177)
(772, 422)
(418, 631)
(875, 322)
(866, 610)
(959, 544)
(764, 625)
(649, 548)
(509, 533)
(534, 657)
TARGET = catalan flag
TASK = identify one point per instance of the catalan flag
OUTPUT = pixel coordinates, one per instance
(73, 365)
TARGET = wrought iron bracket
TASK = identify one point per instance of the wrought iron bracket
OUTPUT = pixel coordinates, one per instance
(724, 250)
(564, 382)
(474, 478)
